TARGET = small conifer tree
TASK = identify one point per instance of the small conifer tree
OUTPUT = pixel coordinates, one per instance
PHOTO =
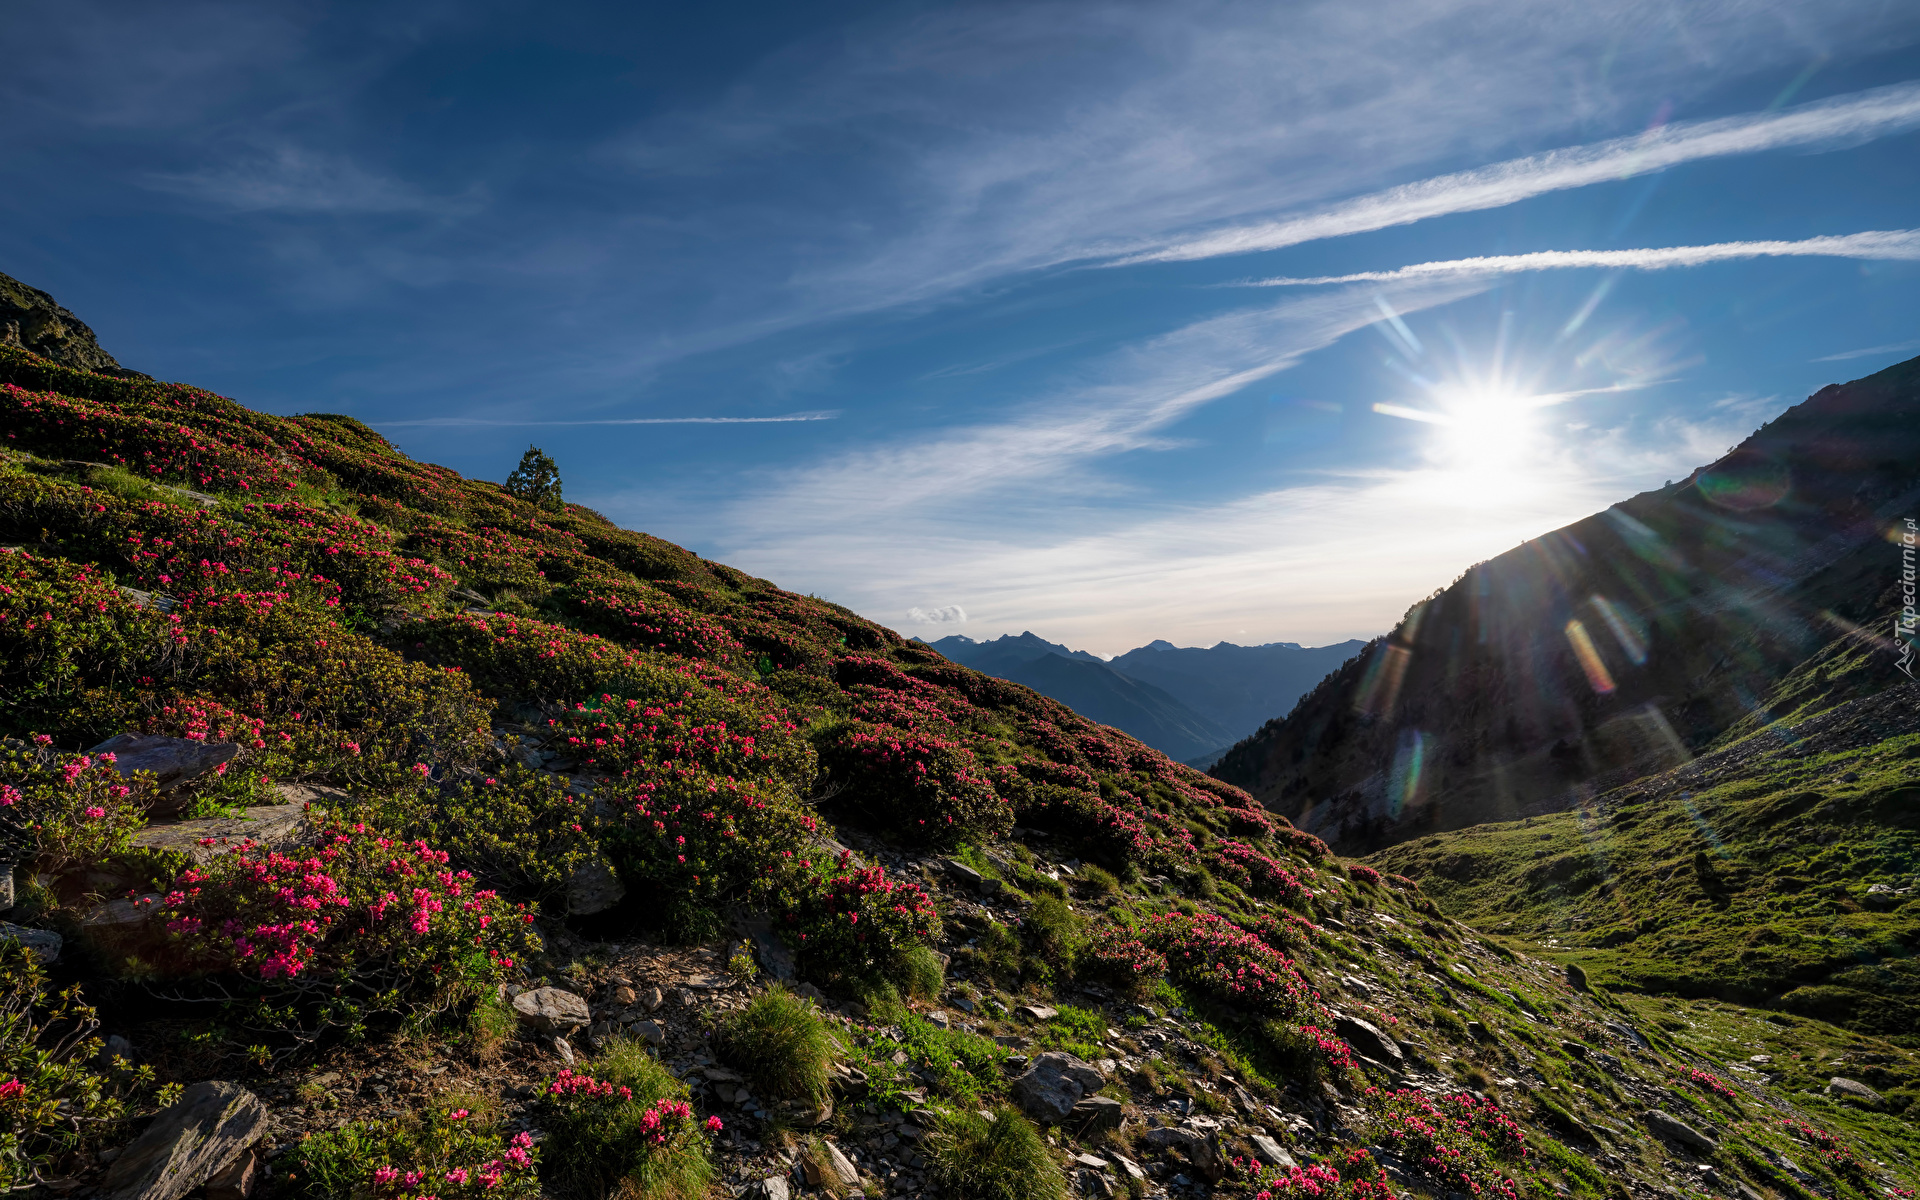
(537, 479)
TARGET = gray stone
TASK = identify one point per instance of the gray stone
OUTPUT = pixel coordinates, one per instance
(1036, 1012)
(1094, 1114)
(550, 1010)
(1859, 1093)
(282, 827)
(773, 1187)
(238, 1180)
(775, 957)
(832, 1168)
(1271, 1152)
(1367, 1039)
(960, 872)
(1131, 1167)
(1055, 1082)
(206, 1129)
(1674, 1129)
(172, 760)
(564, 1050)
(650, 1032)
(593, 888)
(44, 943)
(6, 884)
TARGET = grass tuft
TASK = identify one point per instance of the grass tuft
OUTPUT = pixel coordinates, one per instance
(782, 1047)
(973, 1158)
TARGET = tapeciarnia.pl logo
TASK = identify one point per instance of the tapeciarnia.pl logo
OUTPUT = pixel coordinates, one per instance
(1903, 625)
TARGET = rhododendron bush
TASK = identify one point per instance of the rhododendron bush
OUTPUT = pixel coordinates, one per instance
(1211, 953)
(1350, 1174)
(362, 924)
(1461, 1141)
(849, 921)
(448, 1153)
(58, 810)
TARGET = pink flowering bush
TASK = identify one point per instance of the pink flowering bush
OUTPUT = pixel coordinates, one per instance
(930, 786)
(60, 810)
(448, 1153)
(1259, 874)
(1462, 1142)
(1836, 1155)
(362, 924)
(1709, 1082)
(626, 1126)
(1116, 955)
(849, 923)
(1211, 953)
(1349, 1174)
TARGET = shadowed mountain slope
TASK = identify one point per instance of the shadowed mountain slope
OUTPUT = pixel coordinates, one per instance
(1239, 688)
(1618, 646)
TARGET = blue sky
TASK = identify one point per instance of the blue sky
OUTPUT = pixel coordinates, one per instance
(993, 317)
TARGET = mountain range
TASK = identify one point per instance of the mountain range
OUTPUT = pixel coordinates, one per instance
(1188, 703)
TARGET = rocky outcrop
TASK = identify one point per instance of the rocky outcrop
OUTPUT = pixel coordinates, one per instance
(1049, 1089)
(282, 827)
(1673, 1129)
(44, 943)
(34, 321)
(173, 761)
(209, 1127)
(551, 1010)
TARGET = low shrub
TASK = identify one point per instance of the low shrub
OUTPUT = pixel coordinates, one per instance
(1461, 1141)
(62, 810)
(781, 1046)
(850, 924)
(629, 1132)
(1225, 961)
(1350, 1174)
(447, 1152)
(1054, 934)
(55, 1098)
(972, 1157)
(363, 925)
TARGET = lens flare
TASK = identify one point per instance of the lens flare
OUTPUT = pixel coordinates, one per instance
(1597, 675)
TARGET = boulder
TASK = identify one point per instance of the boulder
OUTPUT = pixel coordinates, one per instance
(550, 1010)
(1368, 1041)
(774, 956)
(44, 943)
(1036, 1012)
(210, 1126)
(1093, 1114)
(830, 1168)
(961, 873)
(1271, 1152)
(593, 888)
(1053, 1084)
(1859, 1093)
(1201, 1147)
(1673, 1129)
(282, 827)
(773, 1187)
(172, 760)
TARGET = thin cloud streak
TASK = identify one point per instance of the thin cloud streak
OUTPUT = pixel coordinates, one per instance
(1827, 124)
(444, 422)
(1885, 245)
(1894, 348)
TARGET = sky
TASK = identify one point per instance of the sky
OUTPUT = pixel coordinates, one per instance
(1198, 321)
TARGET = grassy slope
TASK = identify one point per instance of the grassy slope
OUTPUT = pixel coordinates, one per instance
(422, 544)
(1744, 874)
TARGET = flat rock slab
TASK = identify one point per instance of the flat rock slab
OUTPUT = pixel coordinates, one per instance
(206, 1129)
(1271, 1152)
(551, 1010)
(173, 761)
(44, 943)
(1095, 1114)
(282, 827)
(1673, 1129)
(1368, 1040)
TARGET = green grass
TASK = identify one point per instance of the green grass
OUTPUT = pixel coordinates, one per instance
(972, 1158)
(919, 973)
(781, 1045)
(1751, 887)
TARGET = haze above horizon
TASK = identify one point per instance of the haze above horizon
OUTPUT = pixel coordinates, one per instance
(1116, 323)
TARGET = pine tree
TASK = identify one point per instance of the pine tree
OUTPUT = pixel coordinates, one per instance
(537, 479)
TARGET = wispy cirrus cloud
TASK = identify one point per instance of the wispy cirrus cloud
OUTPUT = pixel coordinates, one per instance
(1884, 245)
(293, 179)
(1825, 124)
(1867, 351)
(511, 423)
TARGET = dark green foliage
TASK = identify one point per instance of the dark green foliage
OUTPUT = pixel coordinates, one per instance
(599, 1146)
(536, 480)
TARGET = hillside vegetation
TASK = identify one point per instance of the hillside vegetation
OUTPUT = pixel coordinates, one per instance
(497, 850)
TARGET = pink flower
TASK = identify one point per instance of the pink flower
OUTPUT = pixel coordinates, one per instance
(11, 1088)
(95, 813)
(458, 1114)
